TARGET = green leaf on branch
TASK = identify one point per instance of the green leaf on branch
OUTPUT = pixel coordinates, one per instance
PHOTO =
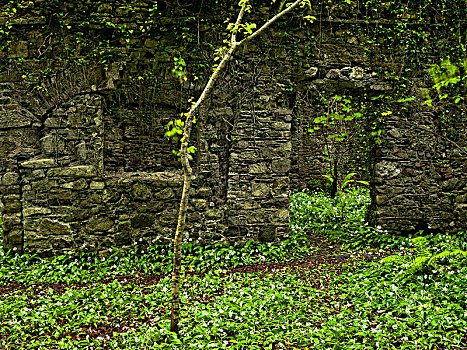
(408, 99)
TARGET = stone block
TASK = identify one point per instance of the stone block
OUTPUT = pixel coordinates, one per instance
(281, 166)
(38, 174)
(236, 220)
(34, 242)
(451, 184)
(73, 171)
(12, 197)
(142, 220)
(267, 234)
(44, 185)
(258, 168)
(49, 228)
(214, 214)
(461, 198)
(260, 189)
(168, 219)
(99, 224)
(15, 120)
(82, 152)
(32, 211)
(97, 185)
(10, 178)
(123, 239)
(124, 225)
(285, 146)
(81, 184)
(199, 204)
(281, 126)
(39, 163)
(14, 237)
(19, 49)
(12, 207)
(52, 144)
(281, 186)
(357, 73)
(10, 190)
(166, 193)
(11, 221)
(387, 169)
(61, 197)
(250, 205)
(332, 74)
(223, 112)
(311, 72)
(62, 242)
(142, 192)
(381, 199)
(31, 223)
(236, 232)
(280, 216)
(55, 122)
(461, 211)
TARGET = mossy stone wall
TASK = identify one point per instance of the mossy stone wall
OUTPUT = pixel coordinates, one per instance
(86, 89)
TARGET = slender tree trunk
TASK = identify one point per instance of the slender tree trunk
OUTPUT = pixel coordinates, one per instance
(187, 170)
(187, 173)
(335, 177)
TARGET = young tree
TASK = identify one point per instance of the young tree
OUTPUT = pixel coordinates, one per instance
(225, 54)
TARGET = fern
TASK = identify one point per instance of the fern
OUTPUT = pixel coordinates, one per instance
(424, 257)
(421, 244)
(457, 255)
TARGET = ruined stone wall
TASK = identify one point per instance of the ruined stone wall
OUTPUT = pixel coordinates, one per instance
(83, 159)
(419, 175)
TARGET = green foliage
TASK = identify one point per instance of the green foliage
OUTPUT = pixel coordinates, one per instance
(179, 69)
(117, 302)
(385, 313)
(341, 219)
(346, 181)
(238, 297)
(346, 128)
(318, 185)
(449, 80)
(156, 259)
(174, 129)
(339, 109)
(427, 254)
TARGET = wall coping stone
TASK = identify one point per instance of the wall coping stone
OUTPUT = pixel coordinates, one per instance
(39, 163)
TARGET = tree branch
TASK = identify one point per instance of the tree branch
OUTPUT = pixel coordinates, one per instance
(268, 23)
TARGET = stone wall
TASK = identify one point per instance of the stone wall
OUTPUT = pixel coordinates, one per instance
(83, 159)
(258, 179)
(419, 176)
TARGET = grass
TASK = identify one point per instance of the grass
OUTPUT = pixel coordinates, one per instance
(298, 294)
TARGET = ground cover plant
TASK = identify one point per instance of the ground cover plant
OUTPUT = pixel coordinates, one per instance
(303, 293)
(341, 219)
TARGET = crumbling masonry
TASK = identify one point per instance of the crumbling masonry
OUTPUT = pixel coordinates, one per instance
(77, 173)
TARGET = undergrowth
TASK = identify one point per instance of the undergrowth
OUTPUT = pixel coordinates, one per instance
(341, 219)
(251, 296)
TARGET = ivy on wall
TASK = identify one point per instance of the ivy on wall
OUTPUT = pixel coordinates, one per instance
(143, 44)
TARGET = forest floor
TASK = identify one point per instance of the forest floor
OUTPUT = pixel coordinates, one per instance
(304, 292)
(330, 299)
